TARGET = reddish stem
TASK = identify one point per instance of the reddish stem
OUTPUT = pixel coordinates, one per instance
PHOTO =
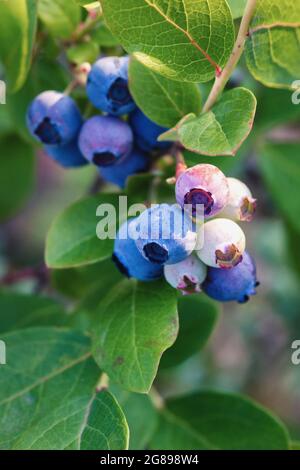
(181, 166)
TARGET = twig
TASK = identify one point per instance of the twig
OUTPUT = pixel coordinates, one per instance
(236, 54)
(71, 87)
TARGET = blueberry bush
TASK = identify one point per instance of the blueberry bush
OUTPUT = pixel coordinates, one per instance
(150, 102)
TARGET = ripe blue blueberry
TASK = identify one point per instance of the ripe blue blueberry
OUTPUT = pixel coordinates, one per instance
(107, 86)
(146, 132)
(202, 184)
(236, 284)
(53, 118)
(223, 244)
(129, 260)
(186, 276)
(134, 163)
(68, 155)
(164, 234)
(104, 140)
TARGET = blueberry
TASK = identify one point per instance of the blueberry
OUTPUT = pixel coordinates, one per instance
(129, 260)
(134, 163)
(202, 184)
(223, 244)
(104, 140)
(237, 284)
(241, 205)
(164, 234)
(53, 118)
(186, 276)
(107, 86)
(68, 155)
(146, 132)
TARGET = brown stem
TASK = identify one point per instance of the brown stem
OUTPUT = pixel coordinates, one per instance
(236, 54)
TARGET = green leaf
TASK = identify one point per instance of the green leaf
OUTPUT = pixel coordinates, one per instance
(17, 33)
(72, 240)
(164, 101)
(237, 7)
(220, 131)
(48, 397)
(60, 17)
(17, 171)
(229, 166)
(197, 319)
(213, 420)
(272, 49)
(92, 280)
(134, 324)
(187, 41)
(281, 171)
(88, 285)
(20, 311)
(103, 36)
(105, 425)
(84, 52)
(140, 414)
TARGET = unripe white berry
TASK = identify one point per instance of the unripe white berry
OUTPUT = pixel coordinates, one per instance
(186, 276)
(81, 73)
(241, 205)
(224, 243)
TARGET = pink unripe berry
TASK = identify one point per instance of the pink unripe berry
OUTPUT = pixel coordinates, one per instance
(186, 276)
(241, 205)
(203, 184)
(224, 243)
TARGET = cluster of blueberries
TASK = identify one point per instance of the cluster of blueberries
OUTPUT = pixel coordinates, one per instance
(164, 239)
(117, 147)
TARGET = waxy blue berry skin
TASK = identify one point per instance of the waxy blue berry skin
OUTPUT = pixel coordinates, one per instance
(104, 140)
(128, 259)
(146, 132)
(107, 86)
(236, 284)
(135, 162)
(53, 118)
(68, 155)
(165, 234)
